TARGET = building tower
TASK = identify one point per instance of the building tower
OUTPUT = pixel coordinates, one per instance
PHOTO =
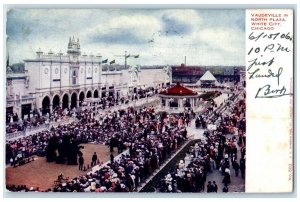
(74, 47)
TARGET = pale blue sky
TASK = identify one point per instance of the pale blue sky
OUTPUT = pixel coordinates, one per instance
(159, 36)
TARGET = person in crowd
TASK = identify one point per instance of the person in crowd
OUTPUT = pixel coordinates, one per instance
(60, 177)
(94, 159)
(214, 187)
(243, 167)
(81, 162)
(225, 189)
(112, 158)
(210, 187)
(236, 167)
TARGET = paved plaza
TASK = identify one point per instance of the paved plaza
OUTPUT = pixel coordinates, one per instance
(40, 173)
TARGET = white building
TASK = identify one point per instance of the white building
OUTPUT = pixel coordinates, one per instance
(63, 80)
(207, 79)
(18, 101)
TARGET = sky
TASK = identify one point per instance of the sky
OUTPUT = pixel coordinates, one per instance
(158, 36)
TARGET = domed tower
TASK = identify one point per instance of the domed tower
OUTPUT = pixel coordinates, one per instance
(74, 47)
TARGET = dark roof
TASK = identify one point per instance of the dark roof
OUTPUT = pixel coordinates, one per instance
(178, 90)
(17, 67)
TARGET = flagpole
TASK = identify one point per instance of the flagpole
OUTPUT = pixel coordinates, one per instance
(125, 59)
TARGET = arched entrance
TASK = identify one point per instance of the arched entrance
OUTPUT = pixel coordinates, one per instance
(9, 113)
(96, 94)
(103, 94)
(89, 94)
(111, 91)
(81, 98)
(46, 105)
(73, 100)
(26, 108)
(65, 101)
(55, 102)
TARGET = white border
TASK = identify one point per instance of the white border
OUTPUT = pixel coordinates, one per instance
(155, 3)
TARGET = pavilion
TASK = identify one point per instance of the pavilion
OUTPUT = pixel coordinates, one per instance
(175, 99)
(207, 80)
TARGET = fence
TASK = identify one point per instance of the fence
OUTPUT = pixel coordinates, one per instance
(33, 130)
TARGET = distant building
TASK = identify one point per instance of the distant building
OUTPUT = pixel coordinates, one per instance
(191, 74)
(18, 101)
(243, 78)
(207, 80)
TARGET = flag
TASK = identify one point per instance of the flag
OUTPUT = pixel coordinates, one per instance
(127, 56)
(104, 61)
(112, 62)
(7, 61)
(136, 56)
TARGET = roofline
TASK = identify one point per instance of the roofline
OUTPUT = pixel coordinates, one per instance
(179, 96)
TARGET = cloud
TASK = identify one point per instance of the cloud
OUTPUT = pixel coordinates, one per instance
(118, 36)
(206, 37)
(229, 40)
(174, 27)
(180, 22)
(132, 29)
(240, 22)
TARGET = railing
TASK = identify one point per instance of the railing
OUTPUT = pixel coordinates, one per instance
(36, 129)
(134, 104)
(15, 135)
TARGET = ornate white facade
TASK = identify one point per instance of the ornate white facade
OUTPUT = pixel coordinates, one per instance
(63, 80)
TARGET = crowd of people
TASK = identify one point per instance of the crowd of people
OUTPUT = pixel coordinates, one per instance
(22, 188)
(110, 101)
(36, 144)
(32, 146)
(37, 120)
(216, 152)
(58, 113)
(21, 125)
(150, 139)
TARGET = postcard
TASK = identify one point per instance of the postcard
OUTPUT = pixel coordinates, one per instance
(141, 100)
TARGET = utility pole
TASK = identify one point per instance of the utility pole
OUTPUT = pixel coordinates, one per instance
(127, 56)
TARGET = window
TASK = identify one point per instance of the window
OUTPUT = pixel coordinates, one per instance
(74, 79)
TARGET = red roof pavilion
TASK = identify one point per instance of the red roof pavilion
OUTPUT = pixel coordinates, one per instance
(179, 90)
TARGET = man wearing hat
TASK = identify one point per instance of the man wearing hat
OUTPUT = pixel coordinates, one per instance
(94, 159)
(81, 162)
(209, 187)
